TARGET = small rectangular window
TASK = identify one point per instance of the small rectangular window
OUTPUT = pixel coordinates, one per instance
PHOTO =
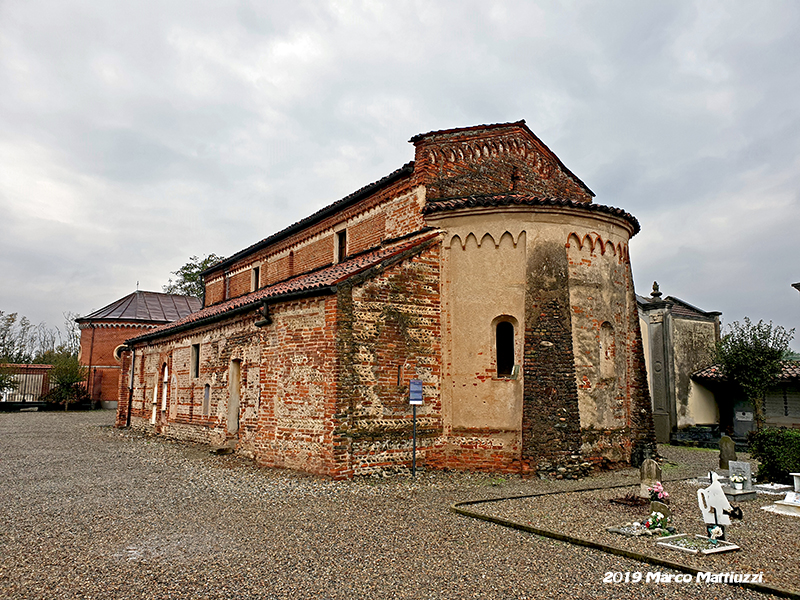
(206, 400)
(195, 366)
(256, 282)
(341, 245)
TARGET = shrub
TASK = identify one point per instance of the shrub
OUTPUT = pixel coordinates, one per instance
(69, 377)
(778, 451)
(750, 355)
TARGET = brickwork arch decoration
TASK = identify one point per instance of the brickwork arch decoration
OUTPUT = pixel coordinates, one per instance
(495, 239)
(595, 243)
(476, 150)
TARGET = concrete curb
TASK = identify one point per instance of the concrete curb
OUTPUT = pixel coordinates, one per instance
(645, 558)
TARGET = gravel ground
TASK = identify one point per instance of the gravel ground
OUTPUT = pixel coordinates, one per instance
(87, 511)
(769, 542)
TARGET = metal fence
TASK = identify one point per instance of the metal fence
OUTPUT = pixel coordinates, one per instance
(32, 381)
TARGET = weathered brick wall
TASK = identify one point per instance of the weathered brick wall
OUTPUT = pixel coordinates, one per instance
(315, 255)
(123, 398)
(496, 161)
(295, 423)
(240, 283)
(550, 415)
(97, 353)
(215, 291)
(366, 234)
(184, 419)
(388, 334)
(609, 361)
(390, 212)
(280, 268)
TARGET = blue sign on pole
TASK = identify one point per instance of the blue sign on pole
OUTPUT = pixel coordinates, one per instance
(415, 392)
(414, 399)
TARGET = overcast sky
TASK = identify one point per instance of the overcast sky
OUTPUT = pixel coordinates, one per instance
(134, 135)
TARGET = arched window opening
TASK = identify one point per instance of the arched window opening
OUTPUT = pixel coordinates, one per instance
(164, 388)
(504, 338)
(155, 403)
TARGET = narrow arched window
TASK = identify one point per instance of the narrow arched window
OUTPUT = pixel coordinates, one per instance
(504, 339)
(164, 388)
(206, 400)
(607, 351)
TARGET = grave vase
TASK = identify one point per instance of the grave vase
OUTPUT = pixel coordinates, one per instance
(738, 486)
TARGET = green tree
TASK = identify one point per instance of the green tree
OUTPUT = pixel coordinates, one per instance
(188, 280)
(69, 377)
(750, 356)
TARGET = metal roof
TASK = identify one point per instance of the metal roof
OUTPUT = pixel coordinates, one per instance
(146, 307)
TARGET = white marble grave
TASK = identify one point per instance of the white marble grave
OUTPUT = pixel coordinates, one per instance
(790, 505)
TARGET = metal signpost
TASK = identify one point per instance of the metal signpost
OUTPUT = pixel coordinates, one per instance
(414, 399)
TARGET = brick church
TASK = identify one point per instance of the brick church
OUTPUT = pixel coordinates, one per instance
(482, 268)
(104, 331)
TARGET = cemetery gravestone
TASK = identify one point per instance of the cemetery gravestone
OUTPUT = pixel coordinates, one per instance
(738, 467)
(649, 473)
(727, 451)
(656, 506)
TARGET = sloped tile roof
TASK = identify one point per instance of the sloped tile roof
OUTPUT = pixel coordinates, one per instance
(146, 307)
(790, 371)
(684, 309)
(445, 204)
(405, 171)
(677, 307)
(712, 373)
(316, 281)
(510, 124)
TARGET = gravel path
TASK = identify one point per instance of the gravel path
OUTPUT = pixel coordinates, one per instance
(87, 511)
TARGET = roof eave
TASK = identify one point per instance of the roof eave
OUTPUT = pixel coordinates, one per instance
(234, 312)
(404, 171)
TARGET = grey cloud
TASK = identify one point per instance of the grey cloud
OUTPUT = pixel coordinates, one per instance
(189, 128)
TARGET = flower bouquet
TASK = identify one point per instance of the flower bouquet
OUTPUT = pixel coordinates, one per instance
(658, 493)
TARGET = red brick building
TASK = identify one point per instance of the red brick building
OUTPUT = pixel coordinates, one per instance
(105, 330)
(482, 268)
